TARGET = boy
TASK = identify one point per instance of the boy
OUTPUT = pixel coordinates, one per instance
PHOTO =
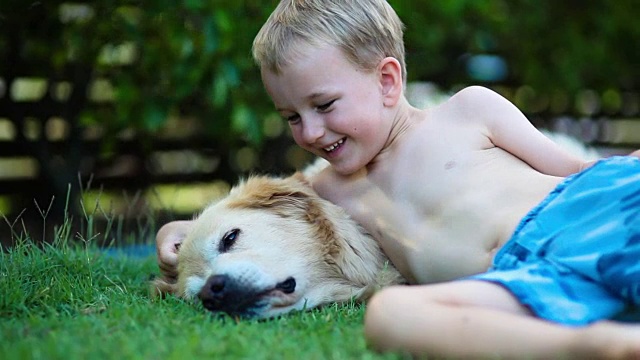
(444, 192)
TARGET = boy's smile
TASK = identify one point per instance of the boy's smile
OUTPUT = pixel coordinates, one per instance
(335, 110)
(332, 148)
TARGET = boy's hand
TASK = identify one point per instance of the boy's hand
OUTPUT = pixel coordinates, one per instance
(590, 163)
(168, 242)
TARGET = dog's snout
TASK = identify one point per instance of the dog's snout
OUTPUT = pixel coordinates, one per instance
(214, 287)
(224, 293)
(213, 292)
(216, 283)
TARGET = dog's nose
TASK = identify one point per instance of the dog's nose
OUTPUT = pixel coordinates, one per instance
(214, 288)
(214, 292)
(225, 293)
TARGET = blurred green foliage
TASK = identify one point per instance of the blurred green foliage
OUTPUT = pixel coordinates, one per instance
(189, 58)
(549, 45)
(192, 57)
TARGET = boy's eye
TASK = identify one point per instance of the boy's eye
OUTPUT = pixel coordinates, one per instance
(325, 107)
(292, 118)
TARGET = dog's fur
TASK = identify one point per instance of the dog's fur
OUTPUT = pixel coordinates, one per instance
(273, 246)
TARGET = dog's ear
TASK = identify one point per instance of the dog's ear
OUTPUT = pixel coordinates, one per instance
(160, 287)
(356, 255)
(285, 203)
(286, 197)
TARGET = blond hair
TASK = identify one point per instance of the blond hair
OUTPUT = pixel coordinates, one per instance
(366, 31)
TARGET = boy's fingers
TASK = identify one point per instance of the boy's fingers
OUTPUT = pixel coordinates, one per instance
(168, 257)
(168, 242)
(169, 273)
(166, 251)
(172, 233)
(169, 277)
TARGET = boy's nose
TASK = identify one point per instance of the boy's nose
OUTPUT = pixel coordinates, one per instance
(313, 129)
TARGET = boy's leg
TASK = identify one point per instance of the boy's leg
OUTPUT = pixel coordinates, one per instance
(482, 319)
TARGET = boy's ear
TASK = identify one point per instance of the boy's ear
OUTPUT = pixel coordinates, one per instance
(390, 72)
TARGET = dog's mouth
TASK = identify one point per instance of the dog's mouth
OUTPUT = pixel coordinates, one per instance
(222, 293)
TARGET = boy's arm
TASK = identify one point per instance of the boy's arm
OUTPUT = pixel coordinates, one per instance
(508, 128)
(589, 163)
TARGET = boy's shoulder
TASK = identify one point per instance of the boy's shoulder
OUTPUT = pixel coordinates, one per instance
(331, 185)
(475, 103)
(466, 104)
(315, 167)
(320, 175)
(476, 95)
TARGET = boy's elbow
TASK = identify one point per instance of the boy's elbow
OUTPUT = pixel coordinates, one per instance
(587, 164)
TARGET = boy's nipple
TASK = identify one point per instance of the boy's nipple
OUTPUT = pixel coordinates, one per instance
(450, 165)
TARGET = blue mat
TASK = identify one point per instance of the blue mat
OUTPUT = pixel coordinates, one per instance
(132, 251)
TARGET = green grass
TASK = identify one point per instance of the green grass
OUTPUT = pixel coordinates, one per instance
(66, 301)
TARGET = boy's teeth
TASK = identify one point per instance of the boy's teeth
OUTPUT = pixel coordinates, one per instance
(334, 146)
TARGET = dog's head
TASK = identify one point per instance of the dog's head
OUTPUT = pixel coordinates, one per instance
(273, 246)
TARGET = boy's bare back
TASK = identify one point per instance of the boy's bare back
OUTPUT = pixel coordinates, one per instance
(442, 197)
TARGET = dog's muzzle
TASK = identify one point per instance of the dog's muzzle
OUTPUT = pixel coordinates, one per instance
(222, 293)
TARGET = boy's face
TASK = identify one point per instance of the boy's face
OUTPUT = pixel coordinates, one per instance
(334, 109)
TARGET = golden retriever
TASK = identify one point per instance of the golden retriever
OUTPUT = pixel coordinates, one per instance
(272, 246)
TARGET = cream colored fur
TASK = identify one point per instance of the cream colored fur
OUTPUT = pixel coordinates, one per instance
(284, 231)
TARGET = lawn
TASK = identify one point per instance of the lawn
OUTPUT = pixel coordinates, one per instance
(72, 300)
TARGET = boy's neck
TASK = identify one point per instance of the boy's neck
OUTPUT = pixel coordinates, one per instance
(403, 116)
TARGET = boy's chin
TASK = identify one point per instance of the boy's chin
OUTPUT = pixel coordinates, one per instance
(346, 168)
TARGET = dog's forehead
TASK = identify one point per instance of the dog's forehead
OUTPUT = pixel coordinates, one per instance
(222, 217)
(216, 221)
(264, 238)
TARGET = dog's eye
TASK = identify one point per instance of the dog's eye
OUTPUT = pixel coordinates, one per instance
(228, 240)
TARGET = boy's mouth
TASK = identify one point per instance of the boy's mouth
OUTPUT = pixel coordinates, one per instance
(334, 146)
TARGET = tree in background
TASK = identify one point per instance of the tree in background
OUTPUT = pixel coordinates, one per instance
(566, 45)
(126, 67)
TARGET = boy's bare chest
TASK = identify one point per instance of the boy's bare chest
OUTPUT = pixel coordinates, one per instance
(444, 217)
(430, 232)
(443, 202)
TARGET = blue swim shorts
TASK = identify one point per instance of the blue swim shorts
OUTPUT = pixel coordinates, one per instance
(575, 258)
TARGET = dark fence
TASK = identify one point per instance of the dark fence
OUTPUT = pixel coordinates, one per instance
(58, 58)
(48, 158)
